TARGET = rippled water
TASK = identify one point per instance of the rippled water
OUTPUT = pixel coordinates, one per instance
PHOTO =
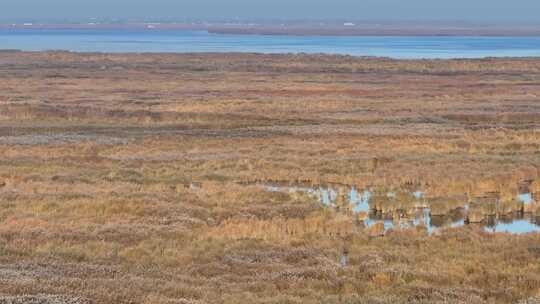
(195, 41)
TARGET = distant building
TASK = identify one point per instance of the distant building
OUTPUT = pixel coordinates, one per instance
(348, 24)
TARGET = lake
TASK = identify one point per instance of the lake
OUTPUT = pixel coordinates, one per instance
(176, 41)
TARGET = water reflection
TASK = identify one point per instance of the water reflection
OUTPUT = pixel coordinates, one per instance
(516, 226)
(360, 203)
(409, 210)
(526, 198)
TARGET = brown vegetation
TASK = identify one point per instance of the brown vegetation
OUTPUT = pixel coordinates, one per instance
(129, 178)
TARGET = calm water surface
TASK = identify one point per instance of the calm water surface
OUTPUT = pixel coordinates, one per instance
(190, 41)
(360, 201)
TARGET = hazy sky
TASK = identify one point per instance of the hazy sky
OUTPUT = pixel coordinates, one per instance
(471, 10)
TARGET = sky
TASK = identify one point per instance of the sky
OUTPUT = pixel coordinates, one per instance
(515, 11)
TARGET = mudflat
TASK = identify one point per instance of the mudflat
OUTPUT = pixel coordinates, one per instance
(250, 178)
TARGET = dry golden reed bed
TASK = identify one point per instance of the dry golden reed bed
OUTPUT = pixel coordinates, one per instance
(128, 178)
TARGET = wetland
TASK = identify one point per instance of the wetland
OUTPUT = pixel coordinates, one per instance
(251, 178)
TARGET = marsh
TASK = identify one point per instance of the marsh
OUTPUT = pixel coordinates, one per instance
(151, 180)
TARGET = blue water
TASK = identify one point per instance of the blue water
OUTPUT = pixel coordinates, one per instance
(190, 41)
(360, 202)
(517, 226)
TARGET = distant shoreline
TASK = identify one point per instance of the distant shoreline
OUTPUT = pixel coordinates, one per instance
(233, 54)
(346, 29)
(382, 30)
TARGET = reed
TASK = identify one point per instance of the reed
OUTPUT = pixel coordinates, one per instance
(147, 181)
